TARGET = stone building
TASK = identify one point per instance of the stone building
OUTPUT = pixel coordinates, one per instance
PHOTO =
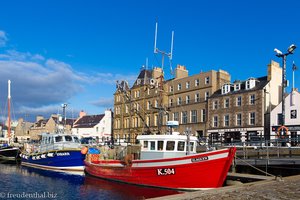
(152, 101)
(239, 112)
(54, 124)
(22, 130)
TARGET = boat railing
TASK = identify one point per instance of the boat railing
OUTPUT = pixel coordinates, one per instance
(40, 148)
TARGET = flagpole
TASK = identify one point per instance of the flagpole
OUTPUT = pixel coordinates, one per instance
(293, 76)
(294, 69)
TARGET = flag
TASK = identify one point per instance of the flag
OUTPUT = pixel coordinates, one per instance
(294, 66)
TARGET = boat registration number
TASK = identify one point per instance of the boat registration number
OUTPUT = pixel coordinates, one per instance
(199, 159)
(165, 171)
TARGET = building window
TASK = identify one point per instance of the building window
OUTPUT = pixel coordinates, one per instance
(137, 107)
(206, 80)
(194, 116)
(148, 121)
(187, 99)
(206, 96)
(179, 86)
(252, 118)
(126, 109)
(184, 117)
(237, 87)
(239, 119)
(226, 120)
(171, 102)
(148, 91)
(155, 120)
(197, 82)
(171, 89)
(215, 104)
(279, 119)
(148, 105)
(187, 85)
(138, 93)
(250, 83)
(156, 103)
(203, 115)
(226, 103)
(176, 116)
(215, 121)
(226, 88)
(179, 101)
(252, 99)
(239, 101)
(197, 97)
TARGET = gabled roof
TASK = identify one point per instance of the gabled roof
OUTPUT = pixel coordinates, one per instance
(68, 121)
(143, 78)
(261, 82)
(43, 122)
(88, 121)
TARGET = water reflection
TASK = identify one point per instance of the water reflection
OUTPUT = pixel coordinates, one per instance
(18, 179)
(125, 190)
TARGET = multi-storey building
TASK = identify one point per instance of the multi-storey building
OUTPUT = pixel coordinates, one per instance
(152, 101)
(240, 111)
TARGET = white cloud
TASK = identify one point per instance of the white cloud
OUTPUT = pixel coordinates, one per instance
(3, 38)
(21, 56)
(40, 85)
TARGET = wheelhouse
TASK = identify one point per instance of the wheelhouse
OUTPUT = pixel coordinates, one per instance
(58, 142)
(166, 146)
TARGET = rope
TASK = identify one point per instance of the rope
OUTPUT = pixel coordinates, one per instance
(256, 168)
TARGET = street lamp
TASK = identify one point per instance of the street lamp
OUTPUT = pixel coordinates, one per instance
(279, 54)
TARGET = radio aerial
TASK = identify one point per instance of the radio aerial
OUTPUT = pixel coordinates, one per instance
(163, 53)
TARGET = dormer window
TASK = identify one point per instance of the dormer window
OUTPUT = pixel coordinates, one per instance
(225, 88)
(250, 83)
(237, 86)
(138, 81)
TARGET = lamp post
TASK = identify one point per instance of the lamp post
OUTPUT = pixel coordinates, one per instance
(279, 54)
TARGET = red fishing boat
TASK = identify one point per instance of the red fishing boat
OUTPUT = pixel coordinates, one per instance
(164, 161)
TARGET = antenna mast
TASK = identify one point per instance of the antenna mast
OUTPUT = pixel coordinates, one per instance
(163, 53)
(160, 108)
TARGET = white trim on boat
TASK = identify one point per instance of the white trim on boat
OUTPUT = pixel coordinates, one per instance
(75, 168)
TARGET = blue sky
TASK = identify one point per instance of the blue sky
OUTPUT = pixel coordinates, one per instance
(73, 52)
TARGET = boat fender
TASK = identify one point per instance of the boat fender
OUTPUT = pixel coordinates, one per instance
(84, 150)
(284, 132)
(128, 159)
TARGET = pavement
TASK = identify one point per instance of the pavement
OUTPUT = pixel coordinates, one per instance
(280, 188)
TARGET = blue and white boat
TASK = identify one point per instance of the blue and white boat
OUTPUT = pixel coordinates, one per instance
(55, 152)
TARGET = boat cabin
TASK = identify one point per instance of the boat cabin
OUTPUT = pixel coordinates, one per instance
(58, 142)
(166, 146)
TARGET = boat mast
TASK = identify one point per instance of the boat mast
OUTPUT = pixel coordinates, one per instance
(8, 112)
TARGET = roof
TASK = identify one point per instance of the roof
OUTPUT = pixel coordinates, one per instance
(260, 84)
(143, 78)
(88, 121)
(43, 122)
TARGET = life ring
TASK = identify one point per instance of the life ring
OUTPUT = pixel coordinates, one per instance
(284, 132)
(128, 159)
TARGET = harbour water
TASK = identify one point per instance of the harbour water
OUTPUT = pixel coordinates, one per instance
(19, 182)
